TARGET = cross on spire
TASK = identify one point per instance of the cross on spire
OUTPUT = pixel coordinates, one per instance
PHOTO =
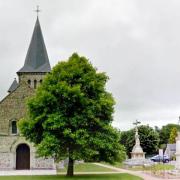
(37, 10)
(136, 123)
(136, 129)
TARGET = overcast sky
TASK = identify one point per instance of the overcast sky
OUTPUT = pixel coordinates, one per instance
(137, 42)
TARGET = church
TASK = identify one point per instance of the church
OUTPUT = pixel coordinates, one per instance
(15, 151)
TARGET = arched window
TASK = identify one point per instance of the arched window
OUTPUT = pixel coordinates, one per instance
(35, 84)
(29, 82)
(40, 81)
(14, 127)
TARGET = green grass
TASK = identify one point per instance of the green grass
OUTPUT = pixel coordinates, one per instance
(160, 167)
(116, 164)
(87, 167)
(122, 176)
(156, 167)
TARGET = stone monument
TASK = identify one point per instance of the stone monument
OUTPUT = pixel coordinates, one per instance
(176, 171)
(137, 154)
(177, 166)
(137, 151)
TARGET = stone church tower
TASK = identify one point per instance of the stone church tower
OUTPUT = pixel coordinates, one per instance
(15, 151)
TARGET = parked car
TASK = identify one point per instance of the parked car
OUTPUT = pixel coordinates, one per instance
(158, 158)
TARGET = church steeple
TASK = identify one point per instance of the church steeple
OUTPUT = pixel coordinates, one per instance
(37, 60)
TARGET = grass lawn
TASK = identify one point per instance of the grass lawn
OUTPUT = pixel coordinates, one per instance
(156, 167)
(160, 167)
(76, 177)
(116, 164)
(87, 167)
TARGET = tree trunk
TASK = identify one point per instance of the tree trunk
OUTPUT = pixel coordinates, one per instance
(70, 171)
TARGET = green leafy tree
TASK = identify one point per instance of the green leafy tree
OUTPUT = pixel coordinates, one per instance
(173, 135)
(149, 139)
(128, 140)
(165, 131)
(70, 115)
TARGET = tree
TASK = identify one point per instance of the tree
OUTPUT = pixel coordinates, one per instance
(71, 115)
(128, 140)
(173, 135)
(149, 139)
(165, 131)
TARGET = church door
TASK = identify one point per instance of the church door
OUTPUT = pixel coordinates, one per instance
(23, 157)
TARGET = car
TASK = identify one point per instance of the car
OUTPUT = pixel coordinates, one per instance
(158, 158)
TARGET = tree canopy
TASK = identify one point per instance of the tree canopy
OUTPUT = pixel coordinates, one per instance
(165, 131)
(173, 135)
(70, 115)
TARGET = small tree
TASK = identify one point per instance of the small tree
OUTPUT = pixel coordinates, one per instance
(173, 135)
(71, 115)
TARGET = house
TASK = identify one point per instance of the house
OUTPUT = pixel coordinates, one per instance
(170, 150)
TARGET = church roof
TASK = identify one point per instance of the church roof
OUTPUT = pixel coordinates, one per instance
(37, 58)
(13, 86)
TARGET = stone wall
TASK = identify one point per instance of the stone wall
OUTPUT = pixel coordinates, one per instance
(6, 161)
(8, 146)
(24, 78)
(13, 107)
(41, 163)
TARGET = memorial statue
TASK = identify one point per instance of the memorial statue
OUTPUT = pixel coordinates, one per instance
(137, 154)
(137, 151)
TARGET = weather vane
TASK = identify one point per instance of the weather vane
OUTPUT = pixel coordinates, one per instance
(37, 10)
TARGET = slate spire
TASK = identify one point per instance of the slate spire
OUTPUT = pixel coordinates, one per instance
(37, 58)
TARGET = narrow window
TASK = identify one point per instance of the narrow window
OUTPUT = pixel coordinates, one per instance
(29, 82)
(35, 84)
(40, 81)
(14, 127)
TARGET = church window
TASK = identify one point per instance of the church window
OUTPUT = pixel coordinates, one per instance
(14, 127)
(35, 84)
(40, 81)
(29, 82)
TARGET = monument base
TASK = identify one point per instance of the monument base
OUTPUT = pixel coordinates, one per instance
(138, 162)
(139, 155)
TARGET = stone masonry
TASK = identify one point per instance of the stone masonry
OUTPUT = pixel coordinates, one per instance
(13, 107)
(15, 151)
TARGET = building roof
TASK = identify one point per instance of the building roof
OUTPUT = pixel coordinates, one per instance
(13, 86)
(37, 58)
(171, 147)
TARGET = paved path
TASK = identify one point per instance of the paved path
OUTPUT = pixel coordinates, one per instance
(136, 173)
(27, 172)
